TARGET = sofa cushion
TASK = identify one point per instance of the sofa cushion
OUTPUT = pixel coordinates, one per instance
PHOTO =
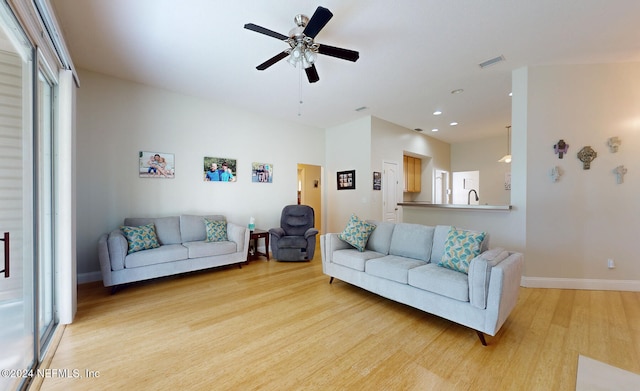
(480, 272)
(412, 241)
(216, 230)
(208, 249)
(192, 227)
(461, 247)
(353, 258)
(357, 232)
(380, 239)
(167, 228)
(166, 253)
(440, 280)
(392, 267)
(439, 240)
(140, 238)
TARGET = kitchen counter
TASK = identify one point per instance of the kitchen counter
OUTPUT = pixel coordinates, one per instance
(456, 206)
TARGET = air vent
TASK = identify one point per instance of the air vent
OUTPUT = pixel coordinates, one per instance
(362, 108)
(492, 61)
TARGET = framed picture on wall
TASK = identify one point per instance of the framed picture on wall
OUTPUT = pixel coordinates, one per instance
(219, 169)
(377, 180)
(261, 172)
(346, 180)
(156, 165)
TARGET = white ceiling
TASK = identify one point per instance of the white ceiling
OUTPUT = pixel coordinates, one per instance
(413, 53)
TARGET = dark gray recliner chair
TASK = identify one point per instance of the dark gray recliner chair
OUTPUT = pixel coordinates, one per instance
(295, 239)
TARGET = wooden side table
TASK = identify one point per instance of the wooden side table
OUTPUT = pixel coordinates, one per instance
(253, 238)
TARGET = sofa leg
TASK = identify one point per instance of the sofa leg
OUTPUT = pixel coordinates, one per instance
(481, 336)
(330, 280)
(114, 289)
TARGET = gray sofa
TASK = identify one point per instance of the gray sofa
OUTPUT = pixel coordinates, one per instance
(400, 262)
(182, 249)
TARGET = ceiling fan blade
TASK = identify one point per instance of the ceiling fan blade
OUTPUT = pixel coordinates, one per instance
(272, 61)
(345, 54)
(319, 19)
(265, 31)
(312, 74)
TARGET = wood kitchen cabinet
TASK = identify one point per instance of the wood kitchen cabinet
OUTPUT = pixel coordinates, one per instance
(412, 167)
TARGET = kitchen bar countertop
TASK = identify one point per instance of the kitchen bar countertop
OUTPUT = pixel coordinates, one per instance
(455, 206)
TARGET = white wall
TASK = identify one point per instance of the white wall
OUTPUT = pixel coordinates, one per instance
(574, 225)
(348, 147)
(116, 119)
(483, 155)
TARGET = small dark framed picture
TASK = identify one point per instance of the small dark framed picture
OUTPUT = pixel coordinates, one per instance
(346, 180)
(377, 180)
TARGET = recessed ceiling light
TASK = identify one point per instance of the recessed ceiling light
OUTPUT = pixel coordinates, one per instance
(453, 123)
(434, 129)
(437, 112)
(457, 91)
(511, 94)
(418, 129)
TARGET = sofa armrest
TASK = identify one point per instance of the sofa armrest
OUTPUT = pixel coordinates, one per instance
(331, 243)
(310, 232)
(479, 273)
(103, 258)
(118, 248)
(504, 287)
(239, 235)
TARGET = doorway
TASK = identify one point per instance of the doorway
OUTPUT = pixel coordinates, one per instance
(310, 190)
(441, 189)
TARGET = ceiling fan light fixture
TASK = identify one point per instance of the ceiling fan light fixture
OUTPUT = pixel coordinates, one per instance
(310, 56)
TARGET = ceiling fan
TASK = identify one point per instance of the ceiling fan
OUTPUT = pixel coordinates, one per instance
(302, 48)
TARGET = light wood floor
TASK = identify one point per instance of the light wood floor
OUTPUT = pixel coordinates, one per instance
(281, 326)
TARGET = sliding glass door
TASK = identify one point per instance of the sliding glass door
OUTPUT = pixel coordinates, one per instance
(17, 320)
(27, 135)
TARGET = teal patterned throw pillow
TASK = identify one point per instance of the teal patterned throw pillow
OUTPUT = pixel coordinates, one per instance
(140, 238)
(460, 248)
(357, 232)
(216, 230)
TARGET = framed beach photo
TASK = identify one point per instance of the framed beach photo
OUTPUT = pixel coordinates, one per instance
(219, 169)
(261, 172)
(156, 165)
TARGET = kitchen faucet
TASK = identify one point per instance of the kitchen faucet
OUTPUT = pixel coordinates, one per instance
(469, 196)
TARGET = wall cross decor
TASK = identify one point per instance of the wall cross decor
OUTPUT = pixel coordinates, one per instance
(586, 156)
(620, 171)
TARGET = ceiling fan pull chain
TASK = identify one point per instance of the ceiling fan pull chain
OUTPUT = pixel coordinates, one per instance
(300, 93)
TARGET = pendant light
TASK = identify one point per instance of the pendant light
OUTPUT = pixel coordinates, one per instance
(507, 158)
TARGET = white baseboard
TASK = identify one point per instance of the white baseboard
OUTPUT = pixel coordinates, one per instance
(83, 278)
(576, 283)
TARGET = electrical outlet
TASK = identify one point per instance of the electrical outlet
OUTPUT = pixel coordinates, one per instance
(611, 264)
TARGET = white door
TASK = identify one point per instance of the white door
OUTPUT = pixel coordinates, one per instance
(390, 191)
(441, 187)
(466, 187)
